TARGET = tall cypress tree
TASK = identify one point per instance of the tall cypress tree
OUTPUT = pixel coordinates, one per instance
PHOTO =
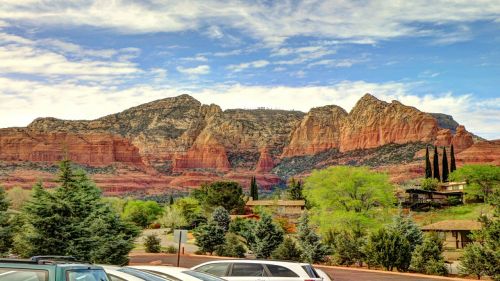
(428, 170)
(445, 165)
(254, 189)
(436, 164)
(453, 165)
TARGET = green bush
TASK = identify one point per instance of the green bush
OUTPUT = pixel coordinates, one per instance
(288, 251)
(152, 243)
(232, 248)
(170, 249)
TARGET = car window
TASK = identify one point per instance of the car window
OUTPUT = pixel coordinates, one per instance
(86, 275)
(247, 269)
(147, 276)
(115, 278)
(280, 271)
(202, 276)
(310, 271)
(217, 269)
(16, 274)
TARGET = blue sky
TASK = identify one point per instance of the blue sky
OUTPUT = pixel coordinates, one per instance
(86, 59)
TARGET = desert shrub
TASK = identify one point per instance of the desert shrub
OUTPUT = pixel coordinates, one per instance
(170, 249)
(152, 243)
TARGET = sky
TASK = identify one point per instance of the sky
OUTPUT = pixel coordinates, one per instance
(86, 59)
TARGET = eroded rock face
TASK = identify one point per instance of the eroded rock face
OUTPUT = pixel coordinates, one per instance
(372, 123)
(266, 162)
(443, 138)
(483, 152)
(319, 131)
(164, 142)
(462, 139)
(96, 149)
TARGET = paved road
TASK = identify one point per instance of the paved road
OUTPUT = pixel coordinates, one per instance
(338, 274)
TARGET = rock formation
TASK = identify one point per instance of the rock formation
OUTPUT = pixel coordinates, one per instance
(179, 142)
(318, 131)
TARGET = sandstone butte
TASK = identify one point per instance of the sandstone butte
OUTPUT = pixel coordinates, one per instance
(180, 143)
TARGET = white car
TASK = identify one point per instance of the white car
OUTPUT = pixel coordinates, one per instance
(324, 275)
(116, 273)
(259, 270)
(177, 273)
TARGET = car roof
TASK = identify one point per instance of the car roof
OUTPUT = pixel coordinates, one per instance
(158, 267)
(113, 271)
(276, 262)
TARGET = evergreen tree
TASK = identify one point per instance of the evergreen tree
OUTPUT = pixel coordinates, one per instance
(170, 200)
(221, 217)
(232, 247)
(209, 237)
(347, 247)
(408, 229)
(310, 242)
(152, 244)
(435, 164)
(268, 236)
(295, 190)
(428, 257)
(288, 251)
(254, 189)
(388, 249)
(453, 165)
(73, 220)
(5, 226)
(445, 166)
(428, 170)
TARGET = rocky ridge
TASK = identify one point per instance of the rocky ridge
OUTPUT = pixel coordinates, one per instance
(182, 143)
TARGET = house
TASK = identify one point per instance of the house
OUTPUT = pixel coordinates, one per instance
(416, 198)
(453, 186)
(455, 233)
(284, 208)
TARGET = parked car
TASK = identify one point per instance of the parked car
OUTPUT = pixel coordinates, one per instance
(178, 273)
(259, 270)
(50, 268)
(324, 275)
(117, 273)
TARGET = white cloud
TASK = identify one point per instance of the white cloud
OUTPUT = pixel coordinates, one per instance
(198, 57)
(21, 101)
(50, 58)
(269, 21)
(245, 65)
(198, 70)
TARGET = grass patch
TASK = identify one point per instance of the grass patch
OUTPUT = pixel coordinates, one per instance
(463, 212)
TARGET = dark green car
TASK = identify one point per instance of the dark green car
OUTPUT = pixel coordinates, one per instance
(49, 268)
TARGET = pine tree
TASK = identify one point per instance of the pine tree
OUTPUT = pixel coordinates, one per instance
(428, 257)
(268, 236)
(209, 237)
(5, 226)
(435, 164)
(453, 165)
(288, 251)
(254, 189)
(295, 190)
(428, 170)
(73, 220)
(388, 249)
(310, 242)
(445, 166)
(221, 217)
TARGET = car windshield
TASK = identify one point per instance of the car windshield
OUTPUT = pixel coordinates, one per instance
(16, 274)
(147, 276)
(202, 276)
(87, 275)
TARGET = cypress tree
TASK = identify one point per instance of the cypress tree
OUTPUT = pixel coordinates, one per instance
(436, 164)
(428, 170)
(254, 190)
(445, 165)
(171, 200)
(453, 165)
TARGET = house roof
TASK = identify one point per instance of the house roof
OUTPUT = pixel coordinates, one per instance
(276, 203)
(450, 225)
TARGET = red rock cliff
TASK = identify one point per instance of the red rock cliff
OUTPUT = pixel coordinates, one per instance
(372, 123)
(89, 149)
